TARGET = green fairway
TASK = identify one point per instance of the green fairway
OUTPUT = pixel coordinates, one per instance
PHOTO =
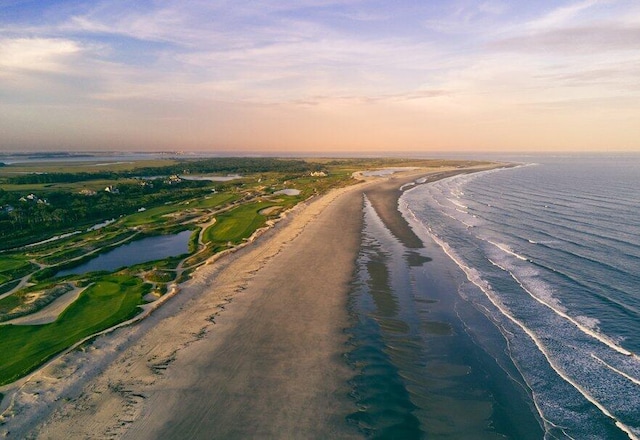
(11, 268)
(239, 223)
(151, 215)
(111, 300)
(212, 201)
(8, 264)
(157, 214)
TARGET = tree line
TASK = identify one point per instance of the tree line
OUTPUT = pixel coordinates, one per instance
(23, 222)
(238, 165)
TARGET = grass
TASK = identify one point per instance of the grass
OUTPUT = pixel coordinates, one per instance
(156, 215)
(151, 215)
(239, 223)
(160, 276)
(72, 187)
(4, 288)
(10, 302)
(213, 201)
(30, 299)
(81, 167)
(12, 267)
(8, 264)
(111, 300)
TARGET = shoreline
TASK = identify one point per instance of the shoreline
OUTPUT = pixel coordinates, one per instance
(133, 369)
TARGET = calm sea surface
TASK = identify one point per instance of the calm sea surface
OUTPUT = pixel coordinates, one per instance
(526, 326)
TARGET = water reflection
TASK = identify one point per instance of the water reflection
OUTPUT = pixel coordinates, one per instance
(140, 251)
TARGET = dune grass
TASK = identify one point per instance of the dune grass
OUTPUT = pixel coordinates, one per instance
(112, 299)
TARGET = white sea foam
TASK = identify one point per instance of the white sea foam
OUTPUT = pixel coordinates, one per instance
(458, 204)
(559, 352)
(497, 265)
(507, 249)
(621, 373)
(553, 305)
(475, 277)
(589, 322)
(543, 295)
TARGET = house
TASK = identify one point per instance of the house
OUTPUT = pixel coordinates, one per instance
(32, 198)
(112, 189)
(318, 174)
(87, 192)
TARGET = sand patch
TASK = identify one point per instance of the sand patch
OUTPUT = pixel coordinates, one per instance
(49, 313)
(272, 210)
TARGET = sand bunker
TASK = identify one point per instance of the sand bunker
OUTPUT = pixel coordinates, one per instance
(51, 312)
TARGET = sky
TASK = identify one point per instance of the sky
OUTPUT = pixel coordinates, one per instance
(320, 76)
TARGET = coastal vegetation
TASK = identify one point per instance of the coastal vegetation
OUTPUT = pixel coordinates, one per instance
(57, 217)
(111, 300)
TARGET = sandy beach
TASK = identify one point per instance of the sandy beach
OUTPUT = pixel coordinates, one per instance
(250, 347)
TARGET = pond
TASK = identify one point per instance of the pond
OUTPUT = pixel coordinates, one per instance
(140, 251)
(386, 171)
(288, 192)
(226, 178)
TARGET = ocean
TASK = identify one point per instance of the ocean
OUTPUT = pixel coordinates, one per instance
(520, 317)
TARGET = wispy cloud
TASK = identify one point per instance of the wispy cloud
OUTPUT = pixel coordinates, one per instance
(38, 54)
(575, 40)
(562, 15)
(450, 62)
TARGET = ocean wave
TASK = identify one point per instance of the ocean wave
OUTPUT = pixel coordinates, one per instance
(544, 297)
(475, 277)
(567, 353)
(506, 249)
(621, 373)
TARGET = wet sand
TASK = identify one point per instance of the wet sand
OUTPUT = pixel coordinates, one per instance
(384, 199)
(251, 347)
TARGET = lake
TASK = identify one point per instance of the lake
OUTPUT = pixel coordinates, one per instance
(140, 251)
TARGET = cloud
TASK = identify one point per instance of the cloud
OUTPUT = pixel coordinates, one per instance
(38, 54)
(373, 99)
(580, 40)
(227, 65)
(562, 15)
(467, 18)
